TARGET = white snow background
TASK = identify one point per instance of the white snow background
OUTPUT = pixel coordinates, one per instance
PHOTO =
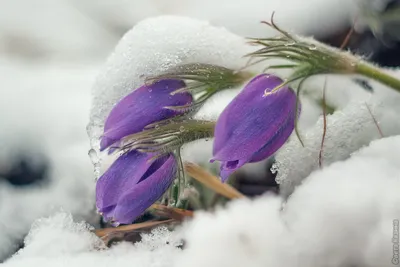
(52, 53)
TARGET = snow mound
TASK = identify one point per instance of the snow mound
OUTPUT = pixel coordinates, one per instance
(43, 113)
(349, 128)
(338, 217)
(59, 241)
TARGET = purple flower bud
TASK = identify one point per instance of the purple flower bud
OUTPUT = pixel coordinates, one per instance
(143, 106)
(131, 185)
(254, 126)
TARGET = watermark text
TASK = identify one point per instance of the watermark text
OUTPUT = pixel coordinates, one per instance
(395, 241)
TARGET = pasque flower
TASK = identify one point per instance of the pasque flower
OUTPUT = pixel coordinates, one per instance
(132, 184)
(145, 105)
(254, 125)
(136, 180)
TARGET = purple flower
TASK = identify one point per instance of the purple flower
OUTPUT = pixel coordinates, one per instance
(132, 184)
(253, 126)
(143, 106)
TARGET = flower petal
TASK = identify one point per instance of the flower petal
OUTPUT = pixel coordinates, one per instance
(251, 120)
(152, 186)
(229, 167)
(278, 140)
(124, 173)
(143, 106)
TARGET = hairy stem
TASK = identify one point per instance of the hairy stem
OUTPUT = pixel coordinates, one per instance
(377, 74)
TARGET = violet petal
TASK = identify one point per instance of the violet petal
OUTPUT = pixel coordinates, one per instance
(277, 141)
(124, 173)
(253, 126)
(229, 167)
(152, 186)
(143, 106)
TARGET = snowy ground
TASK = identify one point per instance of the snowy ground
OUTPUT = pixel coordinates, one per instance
(339, 217)
(50, 55)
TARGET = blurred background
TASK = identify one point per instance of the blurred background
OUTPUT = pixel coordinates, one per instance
(51, 51)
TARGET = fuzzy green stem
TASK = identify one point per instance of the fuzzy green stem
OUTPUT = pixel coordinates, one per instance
(377, 74)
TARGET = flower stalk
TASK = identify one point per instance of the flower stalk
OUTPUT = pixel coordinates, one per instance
(377, 74)
(162, 139)
(202, 81)
(309, 57)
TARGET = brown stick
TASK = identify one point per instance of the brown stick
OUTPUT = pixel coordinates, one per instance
(171, 212)
(127, 228)
(375, 121)
(211, 181)
(348, 36)
(324, 130)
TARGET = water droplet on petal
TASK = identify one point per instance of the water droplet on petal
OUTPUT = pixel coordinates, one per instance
(312, 47)
(115, 223)
(289, 44)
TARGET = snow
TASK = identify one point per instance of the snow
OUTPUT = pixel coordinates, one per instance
(59, 241)
(337, 217)
(60, 235)
(348, 129)
(242, 17)
(36, 122)
(54, 30)
(88, 29)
